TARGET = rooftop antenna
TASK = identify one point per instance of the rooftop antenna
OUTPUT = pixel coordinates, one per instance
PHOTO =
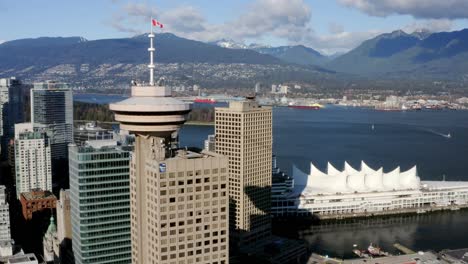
(151, 49)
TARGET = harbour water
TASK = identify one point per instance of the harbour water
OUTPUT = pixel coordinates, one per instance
(338, 134)
(382, 139)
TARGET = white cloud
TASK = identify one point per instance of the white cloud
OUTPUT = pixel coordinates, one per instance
(286, 19)
(430, 9)
(340, 41)
(184, 19)
(1, 41)
(431, 25)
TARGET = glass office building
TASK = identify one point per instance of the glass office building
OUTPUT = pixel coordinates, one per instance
(11, 111)
(100, 202)
(52, 107)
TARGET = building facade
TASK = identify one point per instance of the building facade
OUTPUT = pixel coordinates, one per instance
(11, 111)
(210, 143)
(5, 233)
(182, 215)
(64, 229)
(33, 168)
(52, 108)
(91, 131)
(100, 202)
(244, 134)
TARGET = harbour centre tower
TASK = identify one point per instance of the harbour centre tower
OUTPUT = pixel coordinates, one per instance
(178, 198)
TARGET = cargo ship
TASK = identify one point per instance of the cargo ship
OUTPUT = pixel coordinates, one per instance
(205, 100)
(311, 106)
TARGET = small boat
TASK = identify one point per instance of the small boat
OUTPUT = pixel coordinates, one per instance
(371, 252)
(373, 127)
(448, 135)
(361, 253)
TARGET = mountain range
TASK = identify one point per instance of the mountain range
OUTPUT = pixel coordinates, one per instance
(420, 55)
(297, 54)
(48, 51)
(441, 55)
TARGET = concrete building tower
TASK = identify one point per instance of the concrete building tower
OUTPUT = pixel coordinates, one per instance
(178, 197)
(244, 134)
(32, 159)
(64, 228)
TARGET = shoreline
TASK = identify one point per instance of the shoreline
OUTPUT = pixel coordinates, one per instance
(370, 215)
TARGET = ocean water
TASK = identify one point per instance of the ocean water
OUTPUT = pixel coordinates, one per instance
(338, 134)
(381, 139)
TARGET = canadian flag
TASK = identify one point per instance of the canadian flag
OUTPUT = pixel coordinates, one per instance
(157, 23)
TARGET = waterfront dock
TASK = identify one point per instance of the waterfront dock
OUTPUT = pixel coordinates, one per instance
(316, 258)
(403, 248)
(402, 211)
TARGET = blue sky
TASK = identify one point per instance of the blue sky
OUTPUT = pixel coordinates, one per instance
(327, 25)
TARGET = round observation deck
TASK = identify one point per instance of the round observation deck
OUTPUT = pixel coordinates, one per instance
(151, 109)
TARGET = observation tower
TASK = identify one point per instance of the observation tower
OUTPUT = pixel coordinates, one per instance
(155, 118)
(152, 114)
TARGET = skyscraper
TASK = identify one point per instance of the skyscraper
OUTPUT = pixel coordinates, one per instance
(11, 111)
(244, 134)
(5, 234)
(52, 106)
(100, 202)
(32, 159)
(6, 245)
(179, 200)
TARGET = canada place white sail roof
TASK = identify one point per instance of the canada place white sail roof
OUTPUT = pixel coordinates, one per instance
(350, 180)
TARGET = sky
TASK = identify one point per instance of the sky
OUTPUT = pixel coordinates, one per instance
(328, 26)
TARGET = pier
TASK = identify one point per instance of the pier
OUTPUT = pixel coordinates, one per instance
(403, 248)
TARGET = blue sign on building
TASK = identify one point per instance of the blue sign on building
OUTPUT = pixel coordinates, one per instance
(162, 167)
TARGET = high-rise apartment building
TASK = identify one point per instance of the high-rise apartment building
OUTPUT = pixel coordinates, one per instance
(244, 134)
(32, 159)
(52, 106)
(100, 202)
(11, 111)
(179, 200)
(5, 234)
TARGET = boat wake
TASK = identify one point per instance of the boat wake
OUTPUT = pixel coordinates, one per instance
(439, 134)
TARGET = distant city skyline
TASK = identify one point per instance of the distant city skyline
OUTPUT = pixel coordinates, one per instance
(328, 26)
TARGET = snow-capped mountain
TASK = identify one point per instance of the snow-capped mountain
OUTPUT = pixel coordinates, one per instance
(229, 44)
